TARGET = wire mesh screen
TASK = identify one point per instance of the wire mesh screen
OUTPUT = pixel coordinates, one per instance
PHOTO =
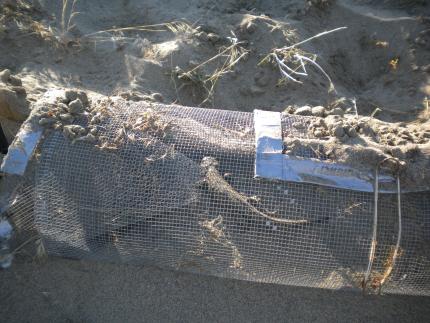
(184, 196)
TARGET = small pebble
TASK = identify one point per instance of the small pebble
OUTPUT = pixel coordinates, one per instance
(68, 132)
(19, 90)
(338, 131)
(66, 117)
(320, 122)
(318, 111)
(157, 97)
(46, 121)
(71, 95)
(304, 111)
(5, 75)
(344, 138)
(290, 109)
(336, 111)
(213, 38)
(76, 106)
(83, 97)
(352, 132)
(78, 129)
(147, 98)
(63, 107)
(318, 133)
(15, 81)
(299, 125)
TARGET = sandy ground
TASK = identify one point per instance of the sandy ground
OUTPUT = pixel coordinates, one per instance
(382, 60)
(60, 290)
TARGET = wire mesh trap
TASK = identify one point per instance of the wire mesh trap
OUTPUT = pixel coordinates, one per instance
(175, 187)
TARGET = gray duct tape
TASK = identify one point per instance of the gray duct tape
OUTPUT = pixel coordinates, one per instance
(271, 163)
(21, 150)
(15, 163)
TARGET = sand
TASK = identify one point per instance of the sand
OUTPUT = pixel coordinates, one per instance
(61, 290)
(381, 59)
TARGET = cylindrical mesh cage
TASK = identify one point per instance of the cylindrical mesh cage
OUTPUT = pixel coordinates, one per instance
(180, 192)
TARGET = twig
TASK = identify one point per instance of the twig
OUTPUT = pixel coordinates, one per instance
(281, 62)
(354, 102)
(375, 226)
(280, 65)
(233, 54)
(213, 58)
(138, 28)
(309, 39)
(301, 57)
(66, 27)
(388, 271)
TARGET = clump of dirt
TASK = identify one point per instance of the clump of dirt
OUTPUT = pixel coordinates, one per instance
(365, 142)
(14, 106)
(71, 112)
(64, 113)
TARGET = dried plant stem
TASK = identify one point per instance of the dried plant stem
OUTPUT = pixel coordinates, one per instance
(396, 250)
(374, 231)
(309, 39)
(174, 26)
(65, 27)
(213, 58)
(301, 57)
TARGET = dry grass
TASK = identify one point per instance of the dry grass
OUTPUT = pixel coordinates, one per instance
(224, 62)
(67, 14)
(20, 13)
(124, 33)
(150, 123)
(292, 61)
(62, 32)
(147, 123)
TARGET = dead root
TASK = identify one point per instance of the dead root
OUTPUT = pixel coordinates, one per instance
(377, 279)
(216, 231)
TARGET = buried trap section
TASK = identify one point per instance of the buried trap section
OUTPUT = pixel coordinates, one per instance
(176, 187)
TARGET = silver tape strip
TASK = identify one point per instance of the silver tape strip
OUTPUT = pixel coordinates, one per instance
(272, 164)
(20, 151)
